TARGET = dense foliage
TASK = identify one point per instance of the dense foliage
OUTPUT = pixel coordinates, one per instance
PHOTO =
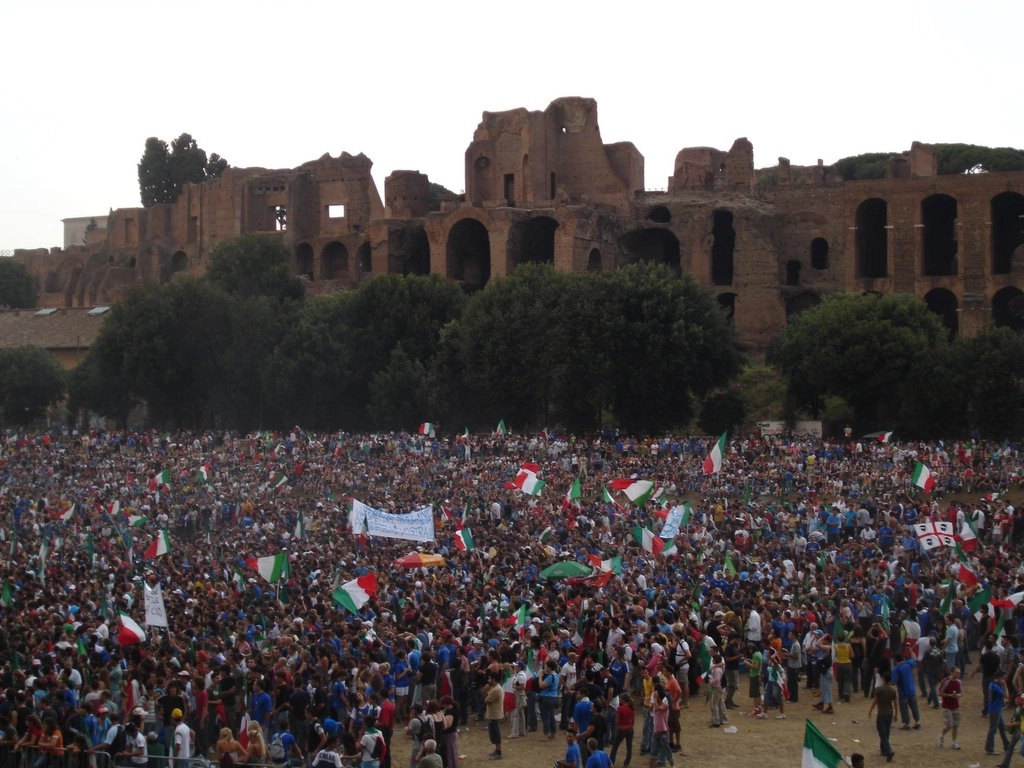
(953, 159)
(539, 348)
(163, 170)
(17, 289)
(30, 382)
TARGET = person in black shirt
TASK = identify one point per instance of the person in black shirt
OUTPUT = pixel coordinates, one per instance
(428, 677)
(988, 665)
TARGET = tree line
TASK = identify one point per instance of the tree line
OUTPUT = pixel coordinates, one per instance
(638, 348)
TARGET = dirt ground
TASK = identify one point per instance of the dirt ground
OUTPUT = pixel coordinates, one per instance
(772, 743)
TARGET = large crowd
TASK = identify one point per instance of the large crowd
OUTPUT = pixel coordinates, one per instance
(796, 570)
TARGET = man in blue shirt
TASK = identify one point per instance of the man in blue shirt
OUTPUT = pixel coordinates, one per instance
(583, 710)
(598, 757)
(572, 758)
(903, 679)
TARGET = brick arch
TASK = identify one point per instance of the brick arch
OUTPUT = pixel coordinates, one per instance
(468, 254)
(944, 303)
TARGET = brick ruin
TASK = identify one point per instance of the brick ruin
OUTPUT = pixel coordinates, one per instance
(544, 187)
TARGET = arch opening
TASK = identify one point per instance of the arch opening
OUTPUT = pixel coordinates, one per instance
(872, 222)
(659, 246)
(942, 302)
(532, 242)
(1007, 230)
(1008, 308)
(468, 255)
(335, 261)
(819, 253)
(939, 238)
(722, 247)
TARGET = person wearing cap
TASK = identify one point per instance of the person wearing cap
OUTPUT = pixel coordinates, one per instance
(172, 700)
(184, 738)
(135, 745)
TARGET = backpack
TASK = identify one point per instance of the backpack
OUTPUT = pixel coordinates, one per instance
(380, 749)
(426, 729)
(120, 739)
(276, 749)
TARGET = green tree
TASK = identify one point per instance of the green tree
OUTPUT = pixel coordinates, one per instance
(164, 170)
(92, 387)
(865, 349)
(989, 370)
(254, 265)
(722, 411)
(971, 158)
(17, 288)
(672, 343)
(166, 343)
(30, 382)
(398, 395)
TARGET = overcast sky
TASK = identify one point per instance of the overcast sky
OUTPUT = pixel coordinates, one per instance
(277, 84)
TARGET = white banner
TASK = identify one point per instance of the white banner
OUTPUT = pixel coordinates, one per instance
(417, 525)
(671, 527)
(156, 614)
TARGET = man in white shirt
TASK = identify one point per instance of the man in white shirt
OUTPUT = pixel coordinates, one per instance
(135, 745)
(183, 739)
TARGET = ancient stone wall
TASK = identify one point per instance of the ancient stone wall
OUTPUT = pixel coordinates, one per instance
(542, 186)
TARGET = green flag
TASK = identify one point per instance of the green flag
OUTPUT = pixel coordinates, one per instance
(6, 598)
(730, 567)
(980, 599)
(947, 599)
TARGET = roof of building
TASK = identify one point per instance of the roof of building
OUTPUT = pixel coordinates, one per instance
(51, 328)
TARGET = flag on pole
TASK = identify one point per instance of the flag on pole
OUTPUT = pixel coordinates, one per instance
(67, 515)
(730, 566)
(979, 600)
(272, 568)
(931, 535)
(501, 430)
(6, 597)
(637, 491)
(130, 632)
(923, 478)
(819, 752)
(652, 543)
(520, 619)
(161, 545)
(527, 480)
(713, 462)
(947, 599)
(464, 540)
(428, 429)
(885, 437)
(203, 473)
(161, 479)
(968, 538)
(606, 496)
(90, 550)
(300, 525)
(276, 480)
(613, 564)
(137, 521)
(572, 498)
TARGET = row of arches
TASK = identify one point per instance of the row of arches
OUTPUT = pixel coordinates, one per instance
(334, 261)
(940, 235)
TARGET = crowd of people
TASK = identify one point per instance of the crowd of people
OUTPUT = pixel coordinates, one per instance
(796, 570)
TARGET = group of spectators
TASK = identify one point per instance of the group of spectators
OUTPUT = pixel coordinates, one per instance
(796, 566)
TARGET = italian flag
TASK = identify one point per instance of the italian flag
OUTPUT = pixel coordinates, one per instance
(160, 480)
(136, 521)
(501, 429)
(276, 480)
(271, 568)
(428, 429)
(651, 543)
(161, 545)
(572, 498)
(464, 540)
(923, 477)
(521, 619)
(885, 437)
(606, 495)
(637, 491)
(713, 462)
(613, 564)
(353, 595)
(130, 633)
(300, 525)
(6, 597)
(203, 473)
(527, 480)
(67, 514)
(968, 538)
(818, 750)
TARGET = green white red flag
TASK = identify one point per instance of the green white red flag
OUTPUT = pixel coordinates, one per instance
(161, 545)
(637, 491)
(353, 595)
(464, 540)
(713, 462)
(272, 568)
(923, 478)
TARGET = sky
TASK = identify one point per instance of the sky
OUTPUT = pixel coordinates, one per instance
(274, 85)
